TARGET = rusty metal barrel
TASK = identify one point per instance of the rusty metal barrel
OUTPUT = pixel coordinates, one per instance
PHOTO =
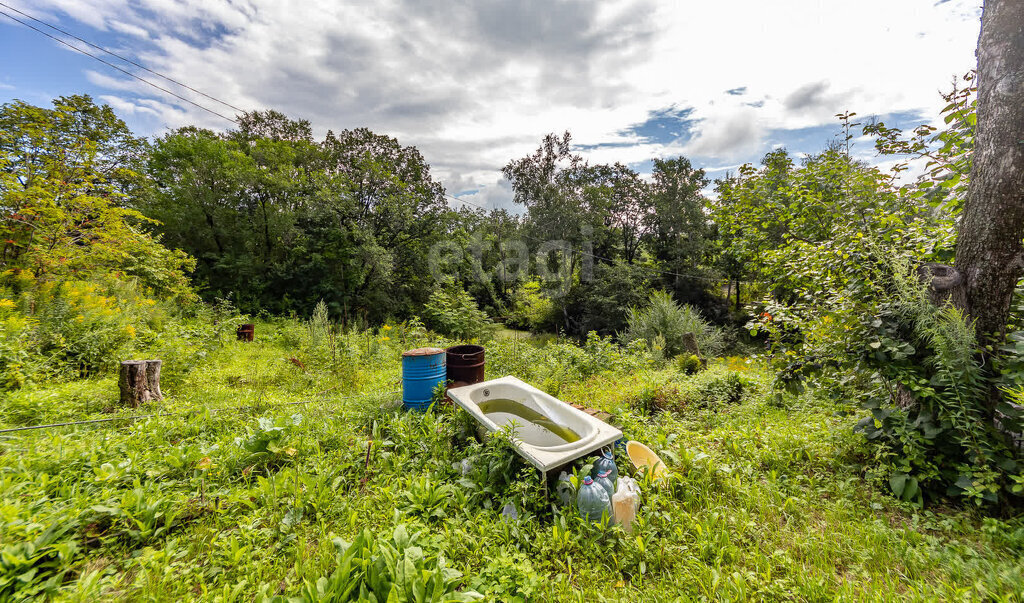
(465, 364)
(246, 332)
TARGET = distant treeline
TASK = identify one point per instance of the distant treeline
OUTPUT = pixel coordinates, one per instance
(274, 221)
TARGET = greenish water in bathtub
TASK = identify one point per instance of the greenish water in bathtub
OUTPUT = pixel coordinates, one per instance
(504, 405)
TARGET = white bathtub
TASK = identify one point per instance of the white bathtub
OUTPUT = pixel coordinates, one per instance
(537, 444)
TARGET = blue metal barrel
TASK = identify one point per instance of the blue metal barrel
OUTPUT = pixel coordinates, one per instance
(423, 369)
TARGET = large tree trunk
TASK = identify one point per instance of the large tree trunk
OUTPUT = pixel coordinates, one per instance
(989, 250)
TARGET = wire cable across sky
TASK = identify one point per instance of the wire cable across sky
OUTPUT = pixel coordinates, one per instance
(123, 58)
(113, 66)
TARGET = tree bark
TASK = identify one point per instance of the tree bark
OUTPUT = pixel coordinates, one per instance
(153, 379)
(140, 382)
(989, 249)
(945, 283)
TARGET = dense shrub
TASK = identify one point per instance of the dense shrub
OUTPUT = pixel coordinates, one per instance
(531, 310)
(716, 387)
(602, 303)
(61, 330)
(913, 366)
(454, 313)
(558, 363)
(688, 363)
(72, 327)
(665, 318)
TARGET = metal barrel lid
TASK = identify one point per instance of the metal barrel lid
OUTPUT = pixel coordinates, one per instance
(467, 352)
(423, 352)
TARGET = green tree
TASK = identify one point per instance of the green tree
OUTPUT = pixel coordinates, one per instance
(630, 208)
(602, 303)
(562, 194)
(387, 198)
(201, 196)
(67, 180)
(279, 221)
(570, 212)
(677, 224)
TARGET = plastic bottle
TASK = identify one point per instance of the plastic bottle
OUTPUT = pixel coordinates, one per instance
(509, 513)
(625, 503)
(606, 462)
(604, 480)
(592, 500)
(564, 489)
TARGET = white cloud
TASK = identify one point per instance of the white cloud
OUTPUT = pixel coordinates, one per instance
(128, 28)
(475, 85)
(725, 135)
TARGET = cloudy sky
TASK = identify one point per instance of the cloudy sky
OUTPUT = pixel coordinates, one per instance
(475, 84)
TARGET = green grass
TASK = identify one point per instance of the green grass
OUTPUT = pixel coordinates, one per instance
(765, 502)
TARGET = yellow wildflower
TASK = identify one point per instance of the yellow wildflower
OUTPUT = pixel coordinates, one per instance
(79, 318)
(130, 331)
(385, 338)
(6, 303)
(387, 327)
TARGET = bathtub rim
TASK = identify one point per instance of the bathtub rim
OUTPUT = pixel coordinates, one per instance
(543, 458)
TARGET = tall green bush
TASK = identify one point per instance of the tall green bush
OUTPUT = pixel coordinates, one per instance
(913, 367)
(664, 318)
(602, 303)
(531, 310)
(454, 313)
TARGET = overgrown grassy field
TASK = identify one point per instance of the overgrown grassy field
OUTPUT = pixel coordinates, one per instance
(288, 472)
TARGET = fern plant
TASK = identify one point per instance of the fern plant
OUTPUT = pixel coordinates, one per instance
(932, 409)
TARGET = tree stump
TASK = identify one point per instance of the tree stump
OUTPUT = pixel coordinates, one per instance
(690, 343)
(140, 382)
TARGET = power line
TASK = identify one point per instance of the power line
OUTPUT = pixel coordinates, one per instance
(597, 257)
(113, 66)
(125, 59)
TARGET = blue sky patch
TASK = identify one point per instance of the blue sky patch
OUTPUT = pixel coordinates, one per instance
(665, 126)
